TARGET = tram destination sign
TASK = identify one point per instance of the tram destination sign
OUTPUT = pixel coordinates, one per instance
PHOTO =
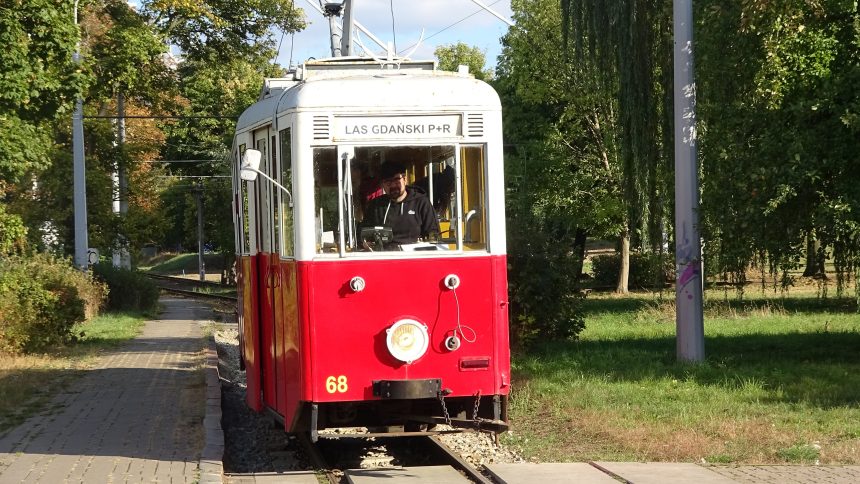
(397, 127)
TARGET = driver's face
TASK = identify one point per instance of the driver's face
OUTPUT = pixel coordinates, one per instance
(395, 186)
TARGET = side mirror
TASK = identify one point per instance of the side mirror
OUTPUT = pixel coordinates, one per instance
(250, 165)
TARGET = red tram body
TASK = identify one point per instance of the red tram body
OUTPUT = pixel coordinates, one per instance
(338, 329)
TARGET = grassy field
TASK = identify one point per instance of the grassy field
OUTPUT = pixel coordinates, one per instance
(781, 384)
(178, 264)
(28, 382)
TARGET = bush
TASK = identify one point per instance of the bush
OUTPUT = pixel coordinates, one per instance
(41, 299)
(544, 301)
(13, 233)
(646, 270)
(129, 290)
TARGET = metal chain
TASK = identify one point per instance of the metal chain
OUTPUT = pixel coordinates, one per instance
(475, 412)
(441, 396)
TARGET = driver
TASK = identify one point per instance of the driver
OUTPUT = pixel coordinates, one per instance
(406, 210)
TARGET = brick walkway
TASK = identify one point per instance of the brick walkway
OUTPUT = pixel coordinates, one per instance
(136, 416)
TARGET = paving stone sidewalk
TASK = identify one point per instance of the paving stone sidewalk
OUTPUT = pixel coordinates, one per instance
(136, 416)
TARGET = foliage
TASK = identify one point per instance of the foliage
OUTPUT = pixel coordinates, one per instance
(628, 45)
(647, 270)
(13, 233)
(226, 47)
(129, 290)
(41, 299)
(222, 29)
(543, 305)
(127, 55)
(780, 134)
(38, 81)
(451, 56)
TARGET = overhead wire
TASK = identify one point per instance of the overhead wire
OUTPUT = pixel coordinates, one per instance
(476, 12)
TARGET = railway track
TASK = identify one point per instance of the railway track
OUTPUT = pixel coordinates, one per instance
(191, 287)
(335, 458)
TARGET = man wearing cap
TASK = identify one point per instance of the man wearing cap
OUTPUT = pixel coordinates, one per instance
(406, 210)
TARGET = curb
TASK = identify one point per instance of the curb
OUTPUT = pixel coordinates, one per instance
(211, 466)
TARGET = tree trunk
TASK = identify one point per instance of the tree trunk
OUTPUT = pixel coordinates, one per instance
(624, 270)
(579, 253)
(813, 268)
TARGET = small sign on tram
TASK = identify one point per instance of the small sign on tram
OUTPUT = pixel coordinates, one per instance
(397, 127)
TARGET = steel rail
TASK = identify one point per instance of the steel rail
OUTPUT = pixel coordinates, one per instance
(315, 457)
(457, 462)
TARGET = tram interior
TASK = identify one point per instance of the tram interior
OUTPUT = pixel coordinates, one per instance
(430, 169)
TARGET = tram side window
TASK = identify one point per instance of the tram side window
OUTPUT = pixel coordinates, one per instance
(287, 249)
(243, 194)
(325, 199)
(473, 186)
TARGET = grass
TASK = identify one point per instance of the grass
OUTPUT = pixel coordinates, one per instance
(28, 382)
(175, 264)
(780, 384)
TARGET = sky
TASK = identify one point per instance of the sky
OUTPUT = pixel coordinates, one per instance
(443, 21)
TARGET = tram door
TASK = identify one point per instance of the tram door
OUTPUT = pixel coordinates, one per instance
(267, 267)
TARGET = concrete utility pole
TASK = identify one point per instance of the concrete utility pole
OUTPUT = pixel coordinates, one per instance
(79, 173)
(201, 264)
(689, 321)
(121, 258)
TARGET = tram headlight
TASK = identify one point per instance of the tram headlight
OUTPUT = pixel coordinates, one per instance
(407, 340)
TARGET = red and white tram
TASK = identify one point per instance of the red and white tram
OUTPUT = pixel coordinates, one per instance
(340, 328)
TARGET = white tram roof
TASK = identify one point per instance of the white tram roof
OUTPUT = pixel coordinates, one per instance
(348, 83)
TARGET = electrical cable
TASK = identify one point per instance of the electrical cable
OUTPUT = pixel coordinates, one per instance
(476, 12)
(461, 326)
(278, 53)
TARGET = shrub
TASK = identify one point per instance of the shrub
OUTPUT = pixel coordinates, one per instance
(41, 299)
(129, 290)
(13, 233)
(545, 303)
(646, 270)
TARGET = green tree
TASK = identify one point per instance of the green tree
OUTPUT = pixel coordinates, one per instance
(627, 42)
(562, 169)
(779, 144)
(38, 82)
(219, 30)
(451, 56)
(13, 233)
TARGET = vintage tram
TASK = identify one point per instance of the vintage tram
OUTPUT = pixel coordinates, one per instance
(339, 326)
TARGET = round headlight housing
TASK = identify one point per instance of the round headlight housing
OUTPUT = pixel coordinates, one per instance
(407, 340)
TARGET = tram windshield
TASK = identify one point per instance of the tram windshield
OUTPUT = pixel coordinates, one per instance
(399, 198)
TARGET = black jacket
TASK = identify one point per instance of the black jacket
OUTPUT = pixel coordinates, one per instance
(410, 219)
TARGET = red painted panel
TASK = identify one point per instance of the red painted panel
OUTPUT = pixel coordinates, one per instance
(278, 333)
(290, 368)
(503, 348)
(267, 327)
(247, 299)
(346, 331)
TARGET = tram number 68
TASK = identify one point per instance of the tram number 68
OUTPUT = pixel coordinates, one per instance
(336, 384)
